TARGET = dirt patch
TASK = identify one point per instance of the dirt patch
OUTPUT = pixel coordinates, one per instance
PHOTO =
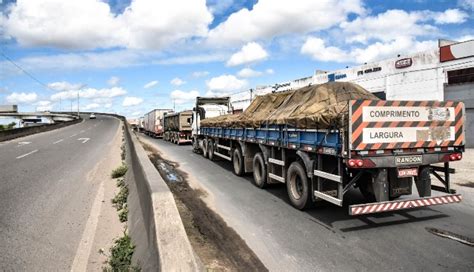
(219, 247)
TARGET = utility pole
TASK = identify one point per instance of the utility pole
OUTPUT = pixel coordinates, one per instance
(251, 94)
(59, 104)
(77, 103)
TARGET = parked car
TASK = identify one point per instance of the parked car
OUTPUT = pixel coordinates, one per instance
(92, 116)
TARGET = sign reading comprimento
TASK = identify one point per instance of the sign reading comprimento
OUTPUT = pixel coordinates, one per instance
(403, 63)
(390, 114)
(377, 124)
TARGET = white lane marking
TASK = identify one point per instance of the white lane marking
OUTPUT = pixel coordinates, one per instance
(74, 135)
(23, 143)
(58, 141)
(84, 140)
(85, 246)
(29, 153)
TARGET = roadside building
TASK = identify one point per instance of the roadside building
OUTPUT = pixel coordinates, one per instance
(444, 73)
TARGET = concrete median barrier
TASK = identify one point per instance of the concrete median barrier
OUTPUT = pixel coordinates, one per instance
(10, 134)
(154, 222)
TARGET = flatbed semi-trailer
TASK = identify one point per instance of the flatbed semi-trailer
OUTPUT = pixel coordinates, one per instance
(381, 151)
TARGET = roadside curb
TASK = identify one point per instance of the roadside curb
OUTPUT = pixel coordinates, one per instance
(154, 221)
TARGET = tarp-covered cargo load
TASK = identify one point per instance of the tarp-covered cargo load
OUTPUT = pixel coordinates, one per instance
(316, 106)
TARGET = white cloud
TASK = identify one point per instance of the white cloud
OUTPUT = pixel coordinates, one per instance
(151, 84)
(113, 81)
(177, 81)
(450, 16)
(248, 72)
(199, 74)
(90, 93)
(21, 98)
(64, 86)
(182, 97)
(387, 26)
(269, 71)
(43, 105)
(91, 106)
(271, 18)
(315, 47)
(249, 53)
(467, 4)
(131, 101)
(395, 23)
(90, 24)
(225, 84)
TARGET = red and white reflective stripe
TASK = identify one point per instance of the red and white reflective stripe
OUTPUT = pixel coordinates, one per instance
(403, 204)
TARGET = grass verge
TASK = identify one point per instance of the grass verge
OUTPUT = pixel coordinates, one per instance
(121, 253)
(120, 258)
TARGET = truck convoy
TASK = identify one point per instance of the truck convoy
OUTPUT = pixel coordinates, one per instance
(153, 122)
(323, 140)
(177, 127)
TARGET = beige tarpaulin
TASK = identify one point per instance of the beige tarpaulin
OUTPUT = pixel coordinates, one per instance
(317, 106)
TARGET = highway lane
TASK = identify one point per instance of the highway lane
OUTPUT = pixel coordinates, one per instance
(327, 238)
(46, 193)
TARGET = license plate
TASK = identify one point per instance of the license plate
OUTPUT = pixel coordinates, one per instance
(407, 160)
(407, 172)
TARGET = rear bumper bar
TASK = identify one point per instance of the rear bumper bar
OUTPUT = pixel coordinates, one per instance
(388, 206)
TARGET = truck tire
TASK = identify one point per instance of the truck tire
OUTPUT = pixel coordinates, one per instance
(259, 171)
(298, 187)
(238, 162)
(210, 149)
(205, 149)
(423, 181)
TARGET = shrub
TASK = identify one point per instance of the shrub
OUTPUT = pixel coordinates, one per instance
(119, 171)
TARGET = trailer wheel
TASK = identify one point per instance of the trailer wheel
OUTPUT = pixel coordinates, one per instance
(259, 171)
(210, 149)
(205, 148)
(297, 186)
(238, 162)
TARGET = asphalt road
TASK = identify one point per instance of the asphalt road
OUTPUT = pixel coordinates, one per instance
(327, 238)
(46, 194)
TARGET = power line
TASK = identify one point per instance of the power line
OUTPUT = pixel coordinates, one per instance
(24, 71)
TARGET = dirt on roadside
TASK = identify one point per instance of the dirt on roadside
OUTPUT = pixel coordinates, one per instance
(219, 247)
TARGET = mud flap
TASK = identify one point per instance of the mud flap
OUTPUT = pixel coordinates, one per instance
(423, 181)
(380, 185)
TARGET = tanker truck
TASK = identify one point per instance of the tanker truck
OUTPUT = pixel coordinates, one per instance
(323, 141)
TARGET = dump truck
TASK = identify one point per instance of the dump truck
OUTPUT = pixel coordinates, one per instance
(177, 127)
(323, 141)
(153, 122)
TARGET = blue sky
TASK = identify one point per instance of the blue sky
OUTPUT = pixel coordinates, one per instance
(132, 56)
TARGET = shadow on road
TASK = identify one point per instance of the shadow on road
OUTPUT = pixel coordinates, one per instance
(329, 215)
